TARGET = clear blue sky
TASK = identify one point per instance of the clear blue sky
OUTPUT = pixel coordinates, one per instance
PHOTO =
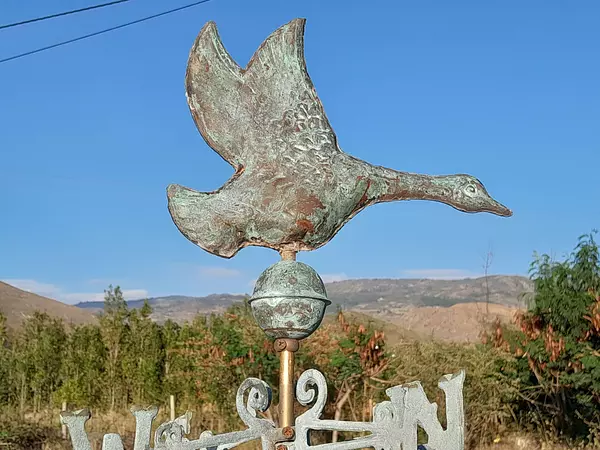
(92, 133)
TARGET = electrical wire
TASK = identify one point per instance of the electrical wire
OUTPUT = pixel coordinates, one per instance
(97, 33)
(65, 13)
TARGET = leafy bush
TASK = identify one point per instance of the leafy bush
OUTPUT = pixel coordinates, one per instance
(557, 346)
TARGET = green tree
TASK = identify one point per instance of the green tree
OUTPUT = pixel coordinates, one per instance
(83, 368)
(558, 343)
(39, 351)
(174, 382)
(143, 358)
(114, 327)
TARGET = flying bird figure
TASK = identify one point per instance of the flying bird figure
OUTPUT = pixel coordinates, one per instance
(293, 188)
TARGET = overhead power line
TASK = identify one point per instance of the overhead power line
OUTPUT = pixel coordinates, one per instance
(65, 13)
(97, 33)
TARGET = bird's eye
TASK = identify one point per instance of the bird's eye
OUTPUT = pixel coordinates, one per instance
(471, 189)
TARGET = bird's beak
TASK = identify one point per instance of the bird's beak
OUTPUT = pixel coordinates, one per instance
(499, 209)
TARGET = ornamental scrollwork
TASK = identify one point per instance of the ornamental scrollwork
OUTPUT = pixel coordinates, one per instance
(394, 425)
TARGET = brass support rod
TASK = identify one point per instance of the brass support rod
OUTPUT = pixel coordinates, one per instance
(287, 349)
(288, 255)
(286, 389)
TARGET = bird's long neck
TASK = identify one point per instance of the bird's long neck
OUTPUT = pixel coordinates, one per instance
(389, 185)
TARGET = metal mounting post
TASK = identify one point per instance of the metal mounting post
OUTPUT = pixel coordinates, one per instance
(287, 349)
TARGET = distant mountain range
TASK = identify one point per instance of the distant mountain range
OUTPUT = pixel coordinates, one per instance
(452, 310)
(374, 296)
(500, 289)
(179, 308)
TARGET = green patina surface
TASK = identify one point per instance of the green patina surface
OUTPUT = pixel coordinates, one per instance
(289, 300)
(293, 187)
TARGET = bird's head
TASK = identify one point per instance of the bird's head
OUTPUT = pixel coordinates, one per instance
(467, 194)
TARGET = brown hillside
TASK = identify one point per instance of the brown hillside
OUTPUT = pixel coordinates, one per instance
(17, 305)
(393, 332)
(463, 322)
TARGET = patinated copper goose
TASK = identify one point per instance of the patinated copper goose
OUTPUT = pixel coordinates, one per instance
(293, 187)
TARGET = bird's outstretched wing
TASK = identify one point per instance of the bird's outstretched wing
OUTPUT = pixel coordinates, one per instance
(242, 113)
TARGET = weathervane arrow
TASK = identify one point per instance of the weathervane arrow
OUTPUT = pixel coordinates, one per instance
(293, 187)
